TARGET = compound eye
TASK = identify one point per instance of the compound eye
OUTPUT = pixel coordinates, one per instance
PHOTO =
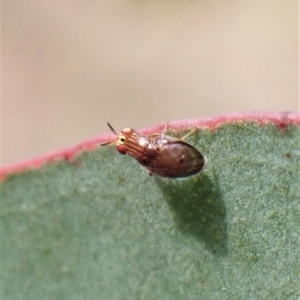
(121, 149)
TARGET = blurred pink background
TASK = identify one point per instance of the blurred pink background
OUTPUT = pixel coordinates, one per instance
(70, 66)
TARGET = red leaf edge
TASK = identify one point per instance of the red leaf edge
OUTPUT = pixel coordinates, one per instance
(280, 119)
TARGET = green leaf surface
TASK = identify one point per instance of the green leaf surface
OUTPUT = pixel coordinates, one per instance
(98, 227)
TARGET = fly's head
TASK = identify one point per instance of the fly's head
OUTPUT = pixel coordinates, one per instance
(122, 140)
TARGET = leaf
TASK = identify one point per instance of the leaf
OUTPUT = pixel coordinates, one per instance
(96, 226)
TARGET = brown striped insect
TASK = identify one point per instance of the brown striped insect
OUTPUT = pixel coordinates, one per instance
(161, 154)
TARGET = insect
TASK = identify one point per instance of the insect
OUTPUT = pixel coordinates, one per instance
(161, 154)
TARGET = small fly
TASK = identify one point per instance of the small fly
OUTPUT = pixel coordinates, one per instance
(161, 154)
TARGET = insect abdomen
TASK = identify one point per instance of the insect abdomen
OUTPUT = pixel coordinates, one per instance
(177, 159)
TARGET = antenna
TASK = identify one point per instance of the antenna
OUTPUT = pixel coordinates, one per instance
(111, 128)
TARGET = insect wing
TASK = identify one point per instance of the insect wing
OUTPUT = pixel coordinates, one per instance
(176, 159)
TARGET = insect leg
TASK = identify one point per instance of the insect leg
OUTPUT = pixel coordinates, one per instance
(165, 129)
(188, 134)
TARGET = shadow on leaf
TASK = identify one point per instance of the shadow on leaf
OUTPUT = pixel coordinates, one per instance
(198, 209)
